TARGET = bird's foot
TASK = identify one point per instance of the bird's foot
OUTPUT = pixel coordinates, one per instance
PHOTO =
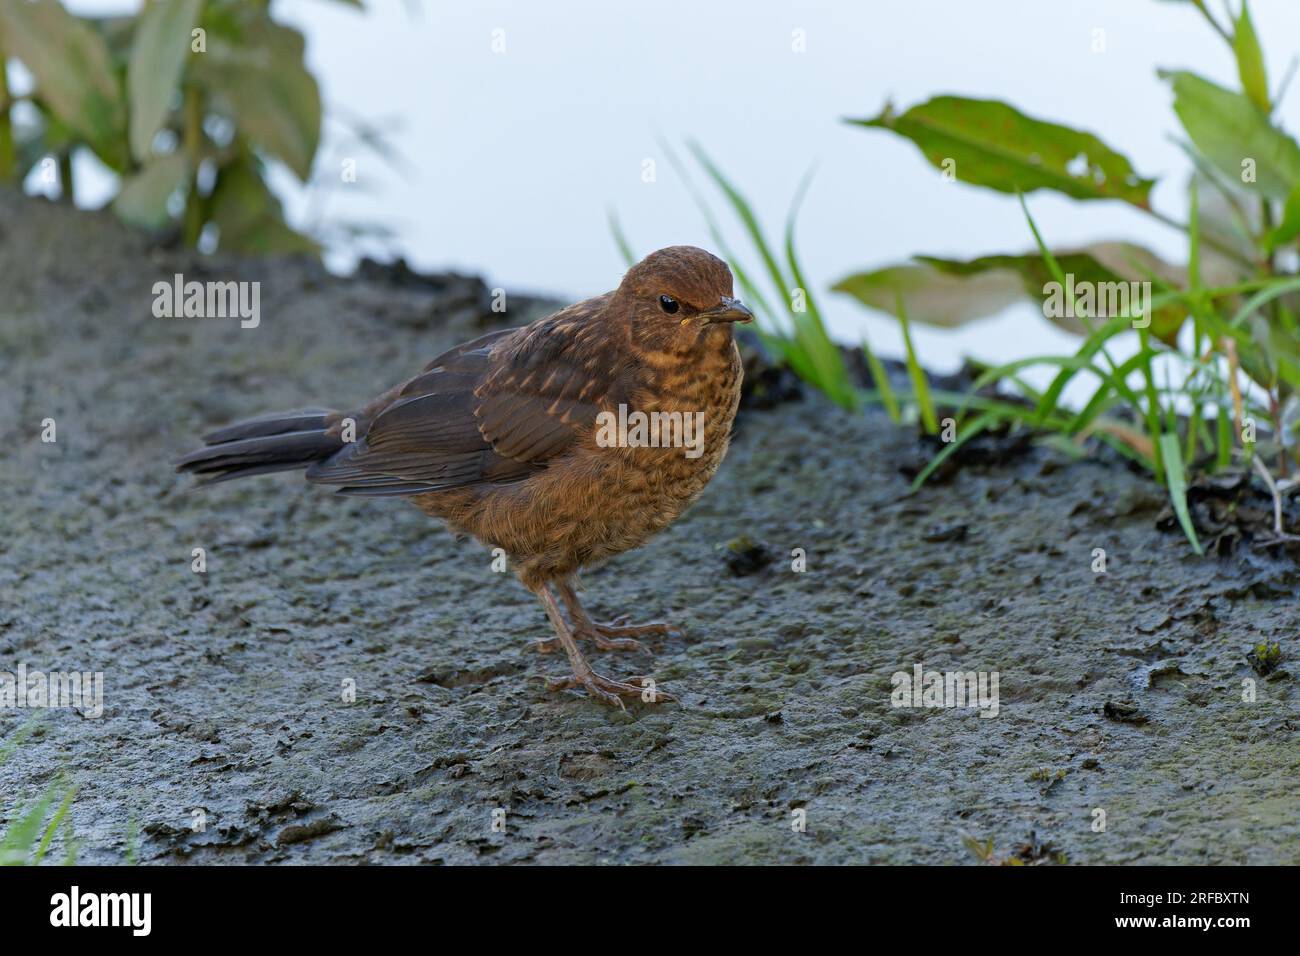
(611, 692)
(618, 635)
(552, 644)
(619, 628)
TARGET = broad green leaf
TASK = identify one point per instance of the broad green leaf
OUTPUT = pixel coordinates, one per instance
(989, 143)
(73, 71)
(1229, 217)
(254, 73)
(948, 292)
(1230, 131)
(248, 216)
(143, 199)
(158, 55)
(1250, 60)
(933, 296)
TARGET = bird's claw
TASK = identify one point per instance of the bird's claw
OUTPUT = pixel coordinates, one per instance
(620, 629)
(604, 642)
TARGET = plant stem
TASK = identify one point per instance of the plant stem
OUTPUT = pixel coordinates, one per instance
(1275, 413)
(67, 188)
(1200, 5)
(1230, 349)
(8, 161)
(1266, 226)
(1272, 490)
(193, 145)
(1286, 82)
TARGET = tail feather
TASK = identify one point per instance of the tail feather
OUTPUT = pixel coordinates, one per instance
(277, 423)
(285, 441)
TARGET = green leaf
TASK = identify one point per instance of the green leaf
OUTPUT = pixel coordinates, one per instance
(158, 55)
(1250, 60)
(143, 199)
(73, 71)
(1289, 228)
(1177, 483)
(993, 144)
(1228, 130)
(1229, 216)
(920, 384)
(254, 73)
(949, 292)
(934, 296)
(248, 216)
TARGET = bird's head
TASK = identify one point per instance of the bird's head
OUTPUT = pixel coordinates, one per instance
(680, 298)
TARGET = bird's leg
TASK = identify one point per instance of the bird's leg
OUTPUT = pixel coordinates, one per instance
(603, 689)
(617, 635)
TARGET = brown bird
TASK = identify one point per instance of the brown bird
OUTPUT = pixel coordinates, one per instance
(514, 438)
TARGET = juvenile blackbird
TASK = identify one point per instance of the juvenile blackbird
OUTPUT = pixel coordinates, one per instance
(511, 438)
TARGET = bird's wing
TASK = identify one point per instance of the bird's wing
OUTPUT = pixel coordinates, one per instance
(494, 410)
(546, 391)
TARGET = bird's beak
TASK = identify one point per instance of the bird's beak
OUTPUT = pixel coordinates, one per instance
(729, 310)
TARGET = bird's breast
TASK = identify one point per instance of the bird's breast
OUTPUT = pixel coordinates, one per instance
(628, 478)
(686, 413)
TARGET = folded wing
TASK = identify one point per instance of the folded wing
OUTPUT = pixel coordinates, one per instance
(495, 410)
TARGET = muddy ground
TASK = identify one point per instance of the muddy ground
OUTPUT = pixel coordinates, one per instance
(1119, 691)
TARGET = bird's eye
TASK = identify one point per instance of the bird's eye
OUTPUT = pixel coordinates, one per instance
(668, 304)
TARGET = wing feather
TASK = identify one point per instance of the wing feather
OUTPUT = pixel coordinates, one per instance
(494, 410)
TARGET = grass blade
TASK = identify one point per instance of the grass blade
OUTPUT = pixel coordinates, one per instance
(964, 435)
(881, 380)
(620, 240)
(23, 833)
(920, 384)
(50, 830)
(1177, 483)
